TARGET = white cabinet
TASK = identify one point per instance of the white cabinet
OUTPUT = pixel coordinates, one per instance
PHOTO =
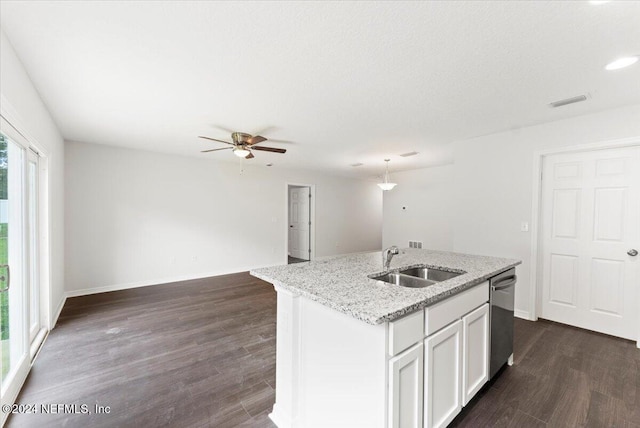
(475, 352)
(456, 354)
(443, 372)
(417, 371)
(406, 388)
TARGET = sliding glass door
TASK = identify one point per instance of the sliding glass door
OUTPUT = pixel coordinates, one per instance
(21, 320)
(14, 309)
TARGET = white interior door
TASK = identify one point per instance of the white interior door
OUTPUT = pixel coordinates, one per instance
(299, 222)
(591, 221)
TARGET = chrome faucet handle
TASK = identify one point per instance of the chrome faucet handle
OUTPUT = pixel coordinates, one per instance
(388, 254)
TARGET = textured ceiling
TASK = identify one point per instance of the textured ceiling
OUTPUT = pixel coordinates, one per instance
(346, 82)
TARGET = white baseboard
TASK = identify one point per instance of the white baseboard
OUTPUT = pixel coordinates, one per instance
(126, 286)
(279, 418)
(117, 287)
(56, 314)
(519, 313)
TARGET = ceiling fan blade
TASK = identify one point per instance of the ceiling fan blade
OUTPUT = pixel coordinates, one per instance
(255, 140)
(213, 139)
(264, 130)
(225, 130)
(269, 149)
(215, 150)
(281, 141)
(250, 156)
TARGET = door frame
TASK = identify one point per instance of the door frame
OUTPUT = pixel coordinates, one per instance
(17, 129)
(13, 127)
(312, 219)
(535, 282)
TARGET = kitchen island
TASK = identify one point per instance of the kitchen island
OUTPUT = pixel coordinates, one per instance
(353, 351)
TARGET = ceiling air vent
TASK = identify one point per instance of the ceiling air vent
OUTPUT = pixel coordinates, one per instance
(356, 164)
(406, 155)
(566, 101)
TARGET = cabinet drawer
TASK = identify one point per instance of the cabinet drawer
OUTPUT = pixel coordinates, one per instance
(405, 332)
(453, 308)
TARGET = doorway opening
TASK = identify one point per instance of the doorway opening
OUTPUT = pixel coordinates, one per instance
(300, 223)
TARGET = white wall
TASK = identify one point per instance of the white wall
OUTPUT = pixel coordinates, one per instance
(25, 110)
(494, 184)
(137, 218)
(426, 196)
(488, 191)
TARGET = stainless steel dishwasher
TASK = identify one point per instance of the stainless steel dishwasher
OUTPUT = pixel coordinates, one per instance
(501, 298)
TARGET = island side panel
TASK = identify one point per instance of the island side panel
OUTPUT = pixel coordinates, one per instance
(285, 410)
(331, 369)
(343, 368)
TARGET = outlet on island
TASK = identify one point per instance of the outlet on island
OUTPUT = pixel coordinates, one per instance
(415, 244)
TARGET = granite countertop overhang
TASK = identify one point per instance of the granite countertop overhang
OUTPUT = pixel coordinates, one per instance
(343, 283)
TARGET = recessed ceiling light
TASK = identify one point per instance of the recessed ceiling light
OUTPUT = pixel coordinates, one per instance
(622, 62)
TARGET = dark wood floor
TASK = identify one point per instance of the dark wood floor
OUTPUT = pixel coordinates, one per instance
(202, 354)
(191, 354)
(562, 377)
(292, 260)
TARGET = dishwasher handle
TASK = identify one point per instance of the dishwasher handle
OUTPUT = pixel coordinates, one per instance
(505, 283)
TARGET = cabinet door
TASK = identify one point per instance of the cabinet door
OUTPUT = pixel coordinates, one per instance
(443, 369)
(406, 384)
(475, 352)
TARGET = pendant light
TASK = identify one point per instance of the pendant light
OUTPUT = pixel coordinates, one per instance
(386, 185)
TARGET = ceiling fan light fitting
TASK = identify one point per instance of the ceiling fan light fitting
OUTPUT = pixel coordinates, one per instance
(241, 153)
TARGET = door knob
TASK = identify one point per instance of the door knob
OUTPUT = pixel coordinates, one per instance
(290, 225)
(632, 252)
(6, 279)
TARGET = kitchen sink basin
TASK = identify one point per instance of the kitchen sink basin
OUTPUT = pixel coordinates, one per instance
(432, 274)
(418, 277)
(404, 280)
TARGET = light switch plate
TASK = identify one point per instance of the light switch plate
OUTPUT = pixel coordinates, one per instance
(524, 226)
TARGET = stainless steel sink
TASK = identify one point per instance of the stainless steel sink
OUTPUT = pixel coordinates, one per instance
(404, 280)
(432, 274)
(417, 277)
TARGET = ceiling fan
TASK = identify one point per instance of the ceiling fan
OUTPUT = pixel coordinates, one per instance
(243, 144)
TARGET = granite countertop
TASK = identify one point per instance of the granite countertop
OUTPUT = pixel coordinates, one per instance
(342, 282)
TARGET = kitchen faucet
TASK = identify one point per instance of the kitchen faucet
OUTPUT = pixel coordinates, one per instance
(387, 255)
